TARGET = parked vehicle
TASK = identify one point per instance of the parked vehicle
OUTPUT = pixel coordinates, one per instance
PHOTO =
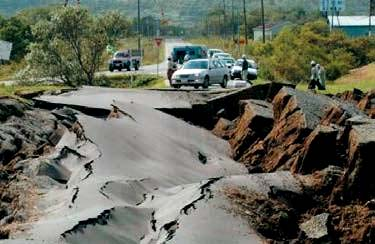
(126, 59)
(229, 62)
(221, 55)
(194, 52)
(236, 70)
(211, 52)
(201, 72)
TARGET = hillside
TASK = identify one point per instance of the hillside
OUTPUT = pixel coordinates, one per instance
(177, 10)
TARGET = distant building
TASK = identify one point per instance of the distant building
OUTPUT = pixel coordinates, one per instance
(271, 30)
(354, 26)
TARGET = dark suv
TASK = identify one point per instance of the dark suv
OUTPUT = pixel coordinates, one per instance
(194, 52)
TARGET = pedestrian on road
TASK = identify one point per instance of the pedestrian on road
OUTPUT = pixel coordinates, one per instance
(172, 67)
(245, 67)
(314, 78)
(186, 58)
(321, 77)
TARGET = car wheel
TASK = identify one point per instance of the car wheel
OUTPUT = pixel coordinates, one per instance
(111, 69)
(176, 86)
(206, 82)
(196, 86)
(225, 82)
(136, 67)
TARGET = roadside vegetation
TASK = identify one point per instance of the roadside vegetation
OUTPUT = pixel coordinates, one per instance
(17, 91)
(8, 71)
(288, 56)
(70, 44)
(130, 80)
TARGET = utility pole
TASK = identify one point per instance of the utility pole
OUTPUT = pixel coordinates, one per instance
(371, 13)
(225, 19)
(239, 32)
(233, 24)
(245, 20)
(263, 22)
(139, 25)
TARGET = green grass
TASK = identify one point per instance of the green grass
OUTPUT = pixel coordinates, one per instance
(12, 91)
(362, 78)
(130, 80)
(334, 88)
(7, 71)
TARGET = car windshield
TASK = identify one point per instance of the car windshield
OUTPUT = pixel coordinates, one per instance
(222, 55)
(228, 61)
(196, 65)
(121, 55)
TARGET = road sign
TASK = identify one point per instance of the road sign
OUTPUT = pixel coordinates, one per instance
(5, 49)
(158, 41)
(336, 5)
(324, 5)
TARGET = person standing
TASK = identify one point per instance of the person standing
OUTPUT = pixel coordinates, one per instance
(172, 67)
(314, 78)
(245, 67)
(186, 58)
(321, 77)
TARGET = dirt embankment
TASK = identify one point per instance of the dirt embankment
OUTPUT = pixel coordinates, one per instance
(25, 133)
(328, 143)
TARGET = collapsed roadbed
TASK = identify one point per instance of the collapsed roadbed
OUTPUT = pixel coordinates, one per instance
(111, 166)
(327, 142)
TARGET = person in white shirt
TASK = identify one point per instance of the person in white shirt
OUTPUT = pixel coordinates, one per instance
(171, 68)
(314, 78)
(321, 77)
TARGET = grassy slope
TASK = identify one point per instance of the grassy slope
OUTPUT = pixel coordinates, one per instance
(8, 71)
(131, 80)
(11, 91)
(362, 78)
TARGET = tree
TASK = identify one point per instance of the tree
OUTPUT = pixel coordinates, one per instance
(70, 45)
(288, 56)
(115, 25)
(19, 33)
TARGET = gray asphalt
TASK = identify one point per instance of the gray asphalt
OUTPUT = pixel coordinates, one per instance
(164, 98)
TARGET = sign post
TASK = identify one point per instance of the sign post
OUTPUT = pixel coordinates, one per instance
(158, 41)
(5, 49)
(371, 13)
(335, 6)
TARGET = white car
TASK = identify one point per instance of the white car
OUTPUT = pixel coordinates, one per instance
(229, 62)
(252, 71)
(221, 55)
(201, 72)
(211, 52)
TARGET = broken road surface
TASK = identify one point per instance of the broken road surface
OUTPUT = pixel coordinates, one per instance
(142, 177)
